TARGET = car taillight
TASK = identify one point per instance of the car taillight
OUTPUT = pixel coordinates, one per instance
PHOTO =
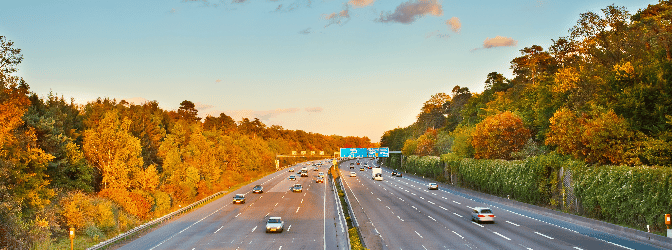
(480, 215)
(492, 215)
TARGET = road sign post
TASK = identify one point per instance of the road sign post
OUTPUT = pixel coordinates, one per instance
(72, 238)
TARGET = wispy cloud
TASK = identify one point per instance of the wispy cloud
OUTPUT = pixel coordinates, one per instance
(454, 24)
(305, 32)
(202, 106)
(339, 18)
(295, 5)
(410, 11)
(361, 3)
(218, 81)
(314, 109)
(204, 2)
(263, 115)
(498, 41)
(436, 34)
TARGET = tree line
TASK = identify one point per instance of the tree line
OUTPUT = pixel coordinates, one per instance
(601, 94)
(107, 166)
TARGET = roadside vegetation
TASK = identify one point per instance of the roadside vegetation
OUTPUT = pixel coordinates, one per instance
(584, 126)
(353, 232)
(107, 166)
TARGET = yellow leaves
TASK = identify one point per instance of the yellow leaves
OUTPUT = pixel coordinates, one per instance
(624, 71)
(565, 79)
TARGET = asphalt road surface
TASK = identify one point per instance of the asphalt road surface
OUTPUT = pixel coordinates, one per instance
(312, 219)
(401, 213)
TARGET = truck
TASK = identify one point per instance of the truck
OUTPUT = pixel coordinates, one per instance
(377, 174)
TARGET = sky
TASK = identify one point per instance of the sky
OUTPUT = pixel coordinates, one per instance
(334, 67)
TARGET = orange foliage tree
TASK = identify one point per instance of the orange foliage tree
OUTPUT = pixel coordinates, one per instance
(498, 136)
(596, 137)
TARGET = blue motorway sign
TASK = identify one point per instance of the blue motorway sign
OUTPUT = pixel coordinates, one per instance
(383, 152)
(373, 152)
(354, 152)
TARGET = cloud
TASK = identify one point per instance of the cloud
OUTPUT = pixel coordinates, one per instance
(136, 100)
(361, 3)
(218, 81)
(339, 18)
(314, 109)
(436, 34)
(295, 5)
(202, 106)
(409, 11)
(498, 41)
(305, 32)
(205, 2)
(263, 115)
(454, 24)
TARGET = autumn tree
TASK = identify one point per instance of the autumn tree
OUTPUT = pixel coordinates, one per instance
(114, 151)
(498, 136)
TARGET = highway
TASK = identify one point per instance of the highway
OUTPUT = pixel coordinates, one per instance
(312, 219)
(401, 213)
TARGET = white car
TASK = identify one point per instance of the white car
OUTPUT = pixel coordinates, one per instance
(481, 214)
(353, 174)
(275, 224)
(433, 186)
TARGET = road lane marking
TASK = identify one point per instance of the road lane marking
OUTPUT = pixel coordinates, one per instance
(297, 209)
(219, 229)
(431, 218)
(432, 202)
(578, 248)
(238, 215)
(418, 234)
(423, 246)
(301, 201)
(276, 204)
(421, 197)
(477, 224)
(461, 217)
(414, 207)
(507, 238)
(458, 235)
(255, 228)
(512, 223)
(549, 237)
(399, 218)
(378, 199)
(457, 202)
(290, 227)
(388, 207)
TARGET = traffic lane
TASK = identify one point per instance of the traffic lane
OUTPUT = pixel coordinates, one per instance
(448, 232)
(397, 225)
(454, 217)
(227, 223)
(540, 227)
(168, 231)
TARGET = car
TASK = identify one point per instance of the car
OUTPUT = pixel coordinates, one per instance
(352, 165)
(482, 214)
(296, 188)
(275, 224)
(321, 174)
(353, 174)
(433, 186)
(370, 167)
(304, 173)
(239, 199)
(292, 177)
(399, 174)
(319, 179)
(257, 189)
(361, 169)
(394, 172)
(291, 169)
(316, 169)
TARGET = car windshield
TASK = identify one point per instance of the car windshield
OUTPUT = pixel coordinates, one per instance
(486, 211)
(239, 196)
(273, 220)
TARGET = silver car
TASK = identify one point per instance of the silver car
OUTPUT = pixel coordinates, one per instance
(481, 214)
(433, 186)
(275, 224)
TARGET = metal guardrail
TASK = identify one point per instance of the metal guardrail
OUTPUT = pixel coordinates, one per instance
(340, 211)
(352, 215)
(124, 236)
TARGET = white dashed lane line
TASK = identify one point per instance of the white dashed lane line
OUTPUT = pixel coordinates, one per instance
(507, 238)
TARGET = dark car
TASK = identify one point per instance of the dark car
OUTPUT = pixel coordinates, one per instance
(399, 174)
(394, 172)
(257, 189)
